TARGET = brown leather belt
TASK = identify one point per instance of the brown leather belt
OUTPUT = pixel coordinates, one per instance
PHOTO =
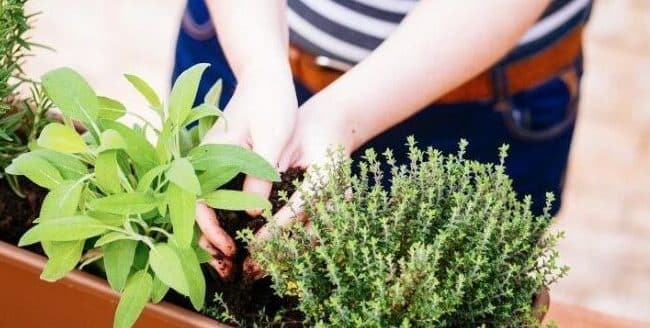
(519, 75)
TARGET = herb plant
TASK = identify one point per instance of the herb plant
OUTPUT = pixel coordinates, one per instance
(20, 119)
(130, 201)
(448, 245)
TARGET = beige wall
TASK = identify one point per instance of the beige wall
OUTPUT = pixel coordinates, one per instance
(607, 212)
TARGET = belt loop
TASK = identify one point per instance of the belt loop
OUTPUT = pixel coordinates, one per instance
(500, 86)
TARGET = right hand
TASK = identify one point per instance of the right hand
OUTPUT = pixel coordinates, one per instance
(260, 116)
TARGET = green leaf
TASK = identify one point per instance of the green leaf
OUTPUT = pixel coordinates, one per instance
(137, 146)
(108, 219)
(38, 170)
(61, 138)
(202, 255)
(127, 203)
(147, 179)
(133, 300)
(164, 144)
(63, 256)
(213, 96)
(236, 200)
(194, 276)
(110, 108)
(109, 140)
(106, 171)
(62, 201)
(184, 93)
(159, 290)
(213, 179)
(71, 93)
(118, 258)
(182, 174)
(215, 157)
(146, 90)
(63, 229)
(166, 263)
(201, 111)
(182, 211)
(110, 237)
(68, 165)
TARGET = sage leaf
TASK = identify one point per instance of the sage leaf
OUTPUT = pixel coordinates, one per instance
(184, 93)
(137, 147)
(182, 174)
(125, 204)
(109, 140)
(134, 299)
(61, 138)
(106, 171)
(194, 276)
(147, 179)
(63, 229)
(110, 237)
(236, 200)
(146, 90)
(72, 94)
(68, 165)
(213, 179)
(166, 263)
(216, 156)
(118, 258)
(62, 201)
(213, 96)
(38, 170)
(201, 111)
(202, 255)
(110, 108)
(159, 290)
(63, 256)
(182, 212)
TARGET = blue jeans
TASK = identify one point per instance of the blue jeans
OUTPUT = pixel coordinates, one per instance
(537, 123)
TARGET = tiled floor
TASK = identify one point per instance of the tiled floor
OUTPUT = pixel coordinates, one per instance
(607, 203)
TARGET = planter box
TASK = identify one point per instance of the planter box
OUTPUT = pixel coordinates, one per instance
(78, 300)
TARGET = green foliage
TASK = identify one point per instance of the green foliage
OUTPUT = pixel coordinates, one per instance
(20, 119)
(449, 245)
(130, 201)
(14, 24)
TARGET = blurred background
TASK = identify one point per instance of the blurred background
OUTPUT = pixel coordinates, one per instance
(606, 213)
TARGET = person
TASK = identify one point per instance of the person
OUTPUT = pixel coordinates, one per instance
(300, 76)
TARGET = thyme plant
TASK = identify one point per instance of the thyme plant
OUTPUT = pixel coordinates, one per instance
(449, 245)
(129, 203)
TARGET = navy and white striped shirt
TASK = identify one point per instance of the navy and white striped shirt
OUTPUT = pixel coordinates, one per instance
(348, 30)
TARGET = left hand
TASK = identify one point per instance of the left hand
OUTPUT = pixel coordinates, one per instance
(315, 133)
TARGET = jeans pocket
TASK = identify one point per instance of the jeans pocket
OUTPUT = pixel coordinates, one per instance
(546, 111)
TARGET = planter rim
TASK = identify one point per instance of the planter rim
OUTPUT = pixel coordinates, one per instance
(25, 260)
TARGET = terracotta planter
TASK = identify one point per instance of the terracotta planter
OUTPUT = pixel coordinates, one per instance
(78, 300)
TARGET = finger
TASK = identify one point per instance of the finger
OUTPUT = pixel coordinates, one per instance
(252, 271)
(289, 213)
(205, 244)
(259, 187)
(223, 267)
(214, 233)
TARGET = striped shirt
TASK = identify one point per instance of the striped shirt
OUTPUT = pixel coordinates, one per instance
(348, 30)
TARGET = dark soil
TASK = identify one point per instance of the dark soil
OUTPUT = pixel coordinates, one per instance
(17, 214)
(256, 302)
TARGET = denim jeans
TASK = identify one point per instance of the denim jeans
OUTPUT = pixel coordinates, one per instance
(537, 123)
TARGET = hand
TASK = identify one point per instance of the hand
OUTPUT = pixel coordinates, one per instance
(260, 116)
(315, 134)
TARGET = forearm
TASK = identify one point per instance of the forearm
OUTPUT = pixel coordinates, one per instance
(439, 45)
(253, 35)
